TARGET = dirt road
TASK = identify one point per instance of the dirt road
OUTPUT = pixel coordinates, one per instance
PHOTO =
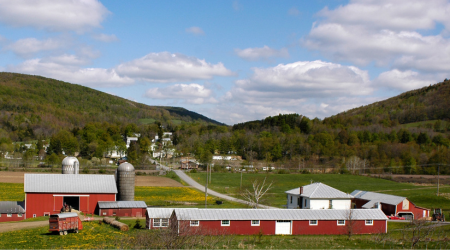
(13, 226)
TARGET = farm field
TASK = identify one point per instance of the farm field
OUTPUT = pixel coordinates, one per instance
(95, 235)
(229, 183)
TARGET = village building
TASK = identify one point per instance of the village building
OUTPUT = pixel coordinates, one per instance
(391, 205)
(12, 211)
(122, 208)
(317, 196)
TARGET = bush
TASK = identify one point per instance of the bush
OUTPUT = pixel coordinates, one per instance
(193, 171)
(117, 218)
(102, 171)
(137, 224)
(283, 171)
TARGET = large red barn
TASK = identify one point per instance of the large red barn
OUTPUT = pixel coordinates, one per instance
(45, 194)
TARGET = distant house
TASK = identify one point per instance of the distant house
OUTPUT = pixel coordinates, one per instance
(122, 208)
(318, 196)
(389, 204)
(12, 211)
(188, 163)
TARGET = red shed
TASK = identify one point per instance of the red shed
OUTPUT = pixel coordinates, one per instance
(11, 210)
(389, 204)
(45, 194)
(122, 208)
(279, 221)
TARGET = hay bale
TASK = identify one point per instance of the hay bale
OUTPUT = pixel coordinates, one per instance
(121, 226)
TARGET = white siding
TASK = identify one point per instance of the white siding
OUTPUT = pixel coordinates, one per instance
(319, 204)
(342, 204)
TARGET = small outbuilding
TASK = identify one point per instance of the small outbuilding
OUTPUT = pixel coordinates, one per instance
(12, 211)
(157, 218)
(390, 204)
(122, 208)
(318, 196)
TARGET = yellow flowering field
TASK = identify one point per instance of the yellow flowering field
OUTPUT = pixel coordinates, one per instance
(11, 192)
(161, 196)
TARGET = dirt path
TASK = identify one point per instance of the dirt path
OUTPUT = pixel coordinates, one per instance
(13, 226)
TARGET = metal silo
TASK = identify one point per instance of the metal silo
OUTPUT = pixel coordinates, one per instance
(125, 182)
(70, 165)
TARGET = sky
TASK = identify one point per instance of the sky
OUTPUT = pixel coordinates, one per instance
(233, 61)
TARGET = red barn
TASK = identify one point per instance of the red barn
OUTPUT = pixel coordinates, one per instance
(45, 194)
(11, 211)
(122, 208)
(279, 221)
(389, 204)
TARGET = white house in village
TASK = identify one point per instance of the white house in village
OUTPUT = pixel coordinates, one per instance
(318, 196)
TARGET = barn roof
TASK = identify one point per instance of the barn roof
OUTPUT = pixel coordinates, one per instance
(319, 190)
(156, 212)
(373, 198)
(280, 214)
(121, 204)
(12, 207)
(70, 183)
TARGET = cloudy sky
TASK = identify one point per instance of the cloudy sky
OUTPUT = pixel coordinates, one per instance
(233, 61)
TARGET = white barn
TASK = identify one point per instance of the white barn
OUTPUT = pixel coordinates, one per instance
(318, 196)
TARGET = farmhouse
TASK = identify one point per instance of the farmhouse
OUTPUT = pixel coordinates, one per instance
(45, 194)
(122, 208)
(279, 221)
(318, 196)
(11, 211)
(389, 204)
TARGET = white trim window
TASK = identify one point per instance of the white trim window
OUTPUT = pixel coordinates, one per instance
(225, 223)
(195, 223)
(34, 215)
(369, 222)
(313, 223)
(19, 215)
(341, 222)
(46, 213)
(8, 215)
(160, 222)
(255, 223)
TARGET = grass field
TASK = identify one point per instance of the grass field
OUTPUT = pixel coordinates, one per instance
(229, 183)
(11, 192)
(103, 236)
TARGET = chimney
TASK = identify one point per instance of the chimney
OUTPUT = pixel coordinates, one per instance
(301, 190)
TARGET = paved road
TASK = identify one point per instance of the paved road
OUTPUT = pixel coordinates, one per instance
(196, 185)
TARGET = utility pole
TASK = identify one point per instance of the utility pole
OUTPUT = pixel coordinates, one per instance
(438, 181)
(241, 180)
(206, 187)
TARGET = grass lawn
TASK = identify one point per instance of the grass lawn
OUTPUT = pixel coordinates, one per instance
(229, 183)
(146, 121)
(11, 192)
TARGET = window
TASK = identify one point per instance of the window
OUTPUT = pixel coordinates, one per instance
(34, 215)
(225, 223)
(330, 204)
(195, 223)
(8, 215)
(305, 202)
(159, 222)
(341, 222)
(313, 222)
(255, 222)
(104, 213)
(291, 199)
(369, 222)
(19, 215)
(405, 205)
(46, 213)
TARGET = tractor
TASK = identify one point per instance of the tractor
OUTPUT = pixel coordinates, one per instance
(438, 215)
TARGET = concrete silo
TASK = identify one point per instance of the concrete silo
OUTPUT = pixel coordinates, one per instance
(70, 165)
(125, 182)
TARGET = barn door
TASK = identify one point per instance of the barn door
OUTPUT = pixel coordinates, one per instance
(283, 227)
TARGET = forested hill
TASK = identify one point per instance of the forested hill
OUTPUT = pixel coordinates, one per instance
(427, 103)
(35, 104)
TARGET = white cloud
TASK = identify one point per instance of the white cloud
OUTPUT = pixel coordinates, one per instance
(404, 80)
(29, 46)
(167, 67)
(61, 15)
(65, 68)
(253, 54)
(195, 30)
(105, 38)
(190, 93)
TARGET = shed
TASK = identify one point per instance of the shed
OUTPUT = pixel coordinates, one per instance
(318, 196)
(45, 194)
(280, 221)
(12, 210)
(122, 208)
(389, 204)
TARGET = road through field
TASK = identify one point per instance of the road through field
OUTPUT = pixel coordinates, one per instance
(196, 185)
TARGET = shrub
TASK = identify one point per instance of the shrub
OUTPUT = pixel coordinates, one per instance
(137, 224)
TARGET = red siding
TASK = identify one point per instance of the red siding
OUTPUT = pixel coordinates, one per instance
(40, 203)
(14, 217)
(417, 211)
(127, 212)
(331, 227)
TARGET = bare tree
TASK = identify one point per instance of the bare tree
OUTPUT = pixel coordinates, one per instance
(351, 224)
(419, 231)
(259, 189)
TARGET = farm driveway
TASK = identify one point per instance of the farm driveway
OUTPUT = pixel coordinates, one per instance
(13, 226)
(196, 185)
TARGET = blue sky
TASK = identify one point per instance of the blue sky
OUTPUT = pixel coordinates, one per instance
(233, 61)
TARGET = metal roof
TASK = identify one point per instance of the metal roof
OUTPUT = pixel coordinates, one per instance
(319, 190)
(373, 197)
(121, 204)
(157, 212)
(12, 207)
(64, 215)
(69, 183)
(280, 214)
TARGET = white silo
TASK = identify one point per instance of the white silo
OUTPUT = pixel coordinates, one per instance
(70, 165)
(125, 182)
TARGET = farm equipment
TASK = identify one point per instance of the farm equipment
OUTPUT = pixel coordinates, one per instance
(438, 215)
(64, 223)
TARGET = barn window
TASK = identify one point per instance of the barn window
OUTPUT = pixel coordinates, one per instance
(9, 215)
(369, 222)
(313, 222)
(46, 213)
(19, 215)
(195, 223)
(341, 222)
(159, 222)
(34, 215)
(225, 223)
(255, 222)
